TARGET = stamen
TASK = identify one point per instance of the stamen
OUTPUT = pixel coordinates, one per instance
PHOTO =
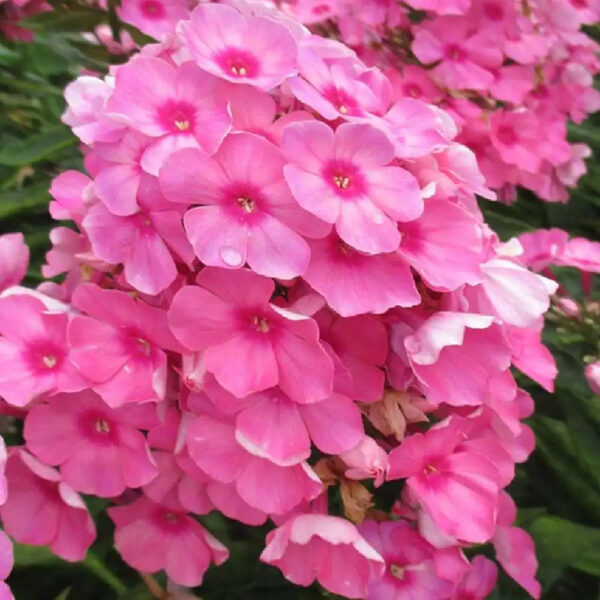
(342, 181)
(246, 203)
(102, 426)
(182, 125)
(261, 324)
(50, 360)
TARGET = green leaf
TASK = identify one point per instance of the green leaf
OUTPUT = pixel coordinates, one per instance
(561, 544)
(84, 19)
(64, 594)
(44, 145)
(29, 199)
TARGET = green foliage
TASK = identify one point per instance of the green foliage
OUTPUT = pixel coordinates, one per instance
(557, 491)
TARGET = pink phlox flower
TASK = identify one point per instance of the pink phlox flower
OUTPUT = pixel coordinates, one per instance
(14, 259)
(35, 353)
(326, 548)
(43, 510)
(150, 537)
(249, 344)
(120, 345)
(345, 177)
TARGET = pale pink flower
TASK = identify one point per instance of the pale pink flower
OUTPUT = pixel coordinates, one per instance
(326, 548)
(345, 177)
(246, 49)
(100, 450)
(14, 259)
(177, 106)
(35, 354)
(151, 537)
(249, 344)
(42, 510)
(367, 460)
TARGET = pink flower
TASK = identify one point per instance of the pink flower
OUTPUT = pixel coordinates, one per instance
(120, 345)
(14, 259)
(457, 487)
(478, 582)
(582, 254)
(326, 548)
(514, 547)
(42, 510)
(151, 537)
(252, 50)
(362, 347)
(465, 59)
(71, 191)
(592, 374)
(280, 430)
(542, 247)
(249, 213)
(334, 90)
(355, 283)
(179, 483)
(86, 97)
(410, 571)
(249, 344)
(147, 244)
(260, 483)
(444, 246)
(344, 177)
(100, 450)
(153, 17)
(451, 343)
(6, 564)
(35, 355)
(175, 105)
(511, 292)
(367, 460)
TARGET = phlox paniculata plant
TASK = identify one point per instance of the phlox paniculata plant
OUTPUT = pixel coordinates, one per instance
(279, 291)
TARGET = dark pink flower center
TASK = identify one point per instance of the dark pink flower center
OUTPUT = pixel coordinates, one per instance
(170, 521)
(238, 62)
(44, 357)
(321, 9)
(412, 90)
(136, 345)
(397, 571)
(177, 116)
(455, 53)
(261, 324)
(343, 102)
(507, 135)
(152, 9)
(97, 426)
(493, 11)
(430, 470)
(344, 178)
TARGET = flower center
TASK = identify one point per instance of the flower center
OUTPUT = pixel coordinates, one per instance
(49, 360)
(171, 517)
(507, 135)
(182, 125)
(454, 52)
(101, 426)
(397, 571)
(261, 324)
(238, 62)
(246, 204)
(342, 181)
(143, 346)
(151, 8)
(430, 470)
(412, 90)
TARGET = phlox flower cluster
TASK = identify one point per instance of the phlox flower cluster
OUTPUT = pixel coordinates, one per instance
(512, 73)
(273, 255)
